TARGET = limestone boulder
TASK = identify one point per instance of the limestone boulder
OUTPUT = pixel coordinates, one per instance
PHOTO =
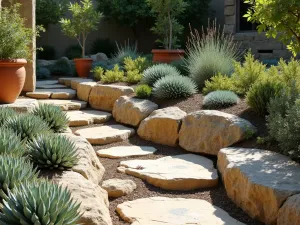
(65, 104)
(103, 97)
(289, 213)
(117, 187)
(93, 199)
(208, 131)
(84, 89)
(22, 105)
(87, 117)
(126, 151)
(180, 173)
(162, 126)
(174, 211)
(75, 82)
(132, 111)
(259, 181)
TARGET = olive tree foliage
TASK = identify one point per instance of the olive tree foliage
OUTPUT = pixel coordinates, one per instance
(167, 26)
(279, 18)
(84, 19)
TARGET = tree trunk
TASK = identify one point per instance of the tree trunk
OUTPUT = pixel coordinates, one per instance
(171, 31)
(83, 46)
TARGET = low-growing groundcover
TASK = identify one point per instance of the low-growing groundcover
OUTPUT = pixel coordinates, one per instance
(220, 99)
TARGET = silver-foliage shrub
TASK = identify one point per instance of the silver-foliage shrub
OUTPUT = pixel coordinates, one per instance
(5, 114)
(220, 99)
(11, 143)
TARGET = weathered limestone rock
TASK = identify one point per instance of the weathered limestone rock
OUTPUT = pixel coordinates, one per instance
(84, 89)
(182, 172)
(74, 83)
(289, 213)
(67, 80)
(87, 117)
(22, 105)
(208, 131)
(258, 181)
(65, 104)
(39, 94)
(93, 199)
(88, 165)
(126, 151)
(106, 134)
(132, 111)
(174, 211)
(117, 187)
(53, 93)
(162, 126)
(103, 97)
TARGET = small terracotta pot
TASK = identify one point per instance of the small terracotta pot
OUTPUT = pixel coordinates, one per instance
(83, 66)
(12, 79)
(167, 56)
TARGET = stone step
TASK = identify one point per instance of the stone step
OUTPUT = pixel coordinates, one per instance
(72, 81)
(106, 134)
(51, 86)
(86, 117)
(65, 104)
(174, 211)
(52, 93)
(22, 105)
(180, 173)
(46, 82)
(126, 151)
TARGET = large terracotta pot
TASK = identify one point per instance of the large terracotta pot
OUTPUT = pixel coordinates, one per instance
(12, 79)
(83, 67)
(167, 56)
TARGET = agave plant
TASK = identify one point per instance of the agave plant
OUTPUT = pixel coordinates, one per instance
(14, 171)
(39, 203)
(11, 143)
(172, 87)
(53, 151)
(220, 99)
(156, 72)
(6, 113)
(56, 119)
(27, 126)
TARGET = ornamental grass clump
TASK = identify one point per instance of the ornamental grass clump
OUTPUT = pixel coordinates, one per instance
(56, 119)
(52, 152)
(220, 99)
(11, 143)
(40, 203)
(172, 87)
(156, 72)
(5, 114)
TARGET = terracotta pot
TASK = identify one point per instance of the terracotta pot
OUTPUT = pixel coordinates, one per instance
(83, 67)
(12, 79)
(167, 56)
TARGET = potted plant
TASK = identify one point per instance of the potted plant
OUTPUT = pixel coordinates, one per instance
(84, 19)
(168, 29)
(15, 40)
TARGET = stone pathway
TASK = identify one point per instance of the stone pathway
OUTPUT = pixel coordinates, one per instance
(52, 93)
(22, 105)
(86, 117)
(65, 104)
(126, 151)
(46, 82)
(50, 86)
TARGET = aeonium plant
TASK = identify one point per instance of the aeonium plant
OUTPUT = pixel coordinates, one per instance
(84, 19)
(167, 26)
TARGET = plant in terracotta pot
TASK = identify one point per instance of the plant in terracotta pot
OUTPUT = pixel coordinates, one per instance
(15, 40)
(84, 19)
(167, 28)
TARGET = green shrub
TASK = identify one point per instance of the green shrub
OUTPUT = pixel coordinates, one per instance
(43, 73)
(218, 82)
(260, 94)
(103, 45)
(139, 64)
(73, 52)
(180, 66)
(27, 126)
(133, 76)
(42, 203)
(112, 76)
(61, 67)
(5, 114)
(155, 72)
(56, 119)
(48, 52)
(53, 152)
(172, 87)
(220, 99)
(143, 91)
(104, 64)
(124, 51)
(288, 72)
(98, 73)
(14, 171)
(11, 143)
(210, 53)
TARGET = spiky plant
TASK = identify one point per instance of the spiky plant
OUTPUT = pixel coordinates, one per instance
(40, 203)
(14, 171)
(220, 99)
(56, 119)
(154, 73)
(172, 87)
(27, 126)
(53, 152)
(11, 143)
(6, 113)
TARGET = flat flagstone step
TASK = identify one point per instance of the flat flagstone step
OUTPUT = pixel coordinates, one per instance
(22, 105)
(126, 151)
(106, 134)
(174, 211)
(52, 93)
(51, 86)
(65, 104)
(68, 81)
(46, 82)
(87, 117)
(181, 173)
